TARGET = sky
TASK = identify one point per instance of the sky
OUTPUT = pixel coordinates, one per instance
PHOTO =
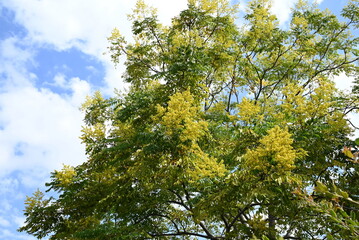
(51, 58)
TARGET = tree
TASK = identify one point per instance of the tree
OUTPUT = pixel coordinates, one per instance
(227, 132)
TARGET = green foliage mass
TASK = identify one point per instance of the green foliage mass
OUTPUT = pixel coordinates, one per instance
(227, 132)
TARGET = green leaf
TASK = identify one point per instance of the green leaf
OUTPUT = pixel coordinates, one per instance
(320, 187)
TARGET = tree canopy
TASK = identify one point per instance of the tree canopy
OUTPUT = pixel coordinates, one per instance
(229, 131)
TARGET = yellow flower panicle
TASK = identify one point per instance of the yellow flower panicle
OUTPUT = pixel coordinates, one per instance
(275, 153)
(66, 175)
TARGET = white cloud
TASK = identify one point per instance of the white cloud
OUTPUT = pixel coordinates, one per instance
(79, 88)
(282, 9)
(39, 129)
(7, 185)
(4, 222)
(345, 84)
(44, 127)
(354, 118)
(113, 78)
(10, 193)
(19, 221)
(167, 9)
(84, 24)
(59, 80)
(8, 235)
(13, 63)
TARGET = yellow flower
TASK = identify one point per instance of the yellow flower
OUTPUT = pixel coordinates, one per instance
(66, 175)
(275, 153)
(248, 110)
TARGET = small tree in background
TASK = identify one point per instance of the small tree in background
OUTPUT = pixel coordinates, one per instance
(227, 132)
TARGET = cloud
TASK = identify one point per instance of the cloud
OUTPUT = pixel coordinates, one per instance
(282, 9)
(8, 235)
(42, 126)
(59, 80)
(85, 25)
(167, 9)
(345, 84)
(79, 88)
(14, 61)
(10, 216)
(38, 128)
(4, 222)
(66, 24)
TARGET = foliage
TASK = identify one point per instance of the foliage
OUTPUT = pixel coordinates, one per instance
(227, 132)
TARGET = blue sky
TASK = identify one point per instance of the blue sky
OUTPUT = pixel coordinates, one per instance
(51, 58)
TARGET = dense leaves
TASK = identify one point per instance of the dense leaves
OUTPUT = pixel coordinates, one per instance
(227, 132)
